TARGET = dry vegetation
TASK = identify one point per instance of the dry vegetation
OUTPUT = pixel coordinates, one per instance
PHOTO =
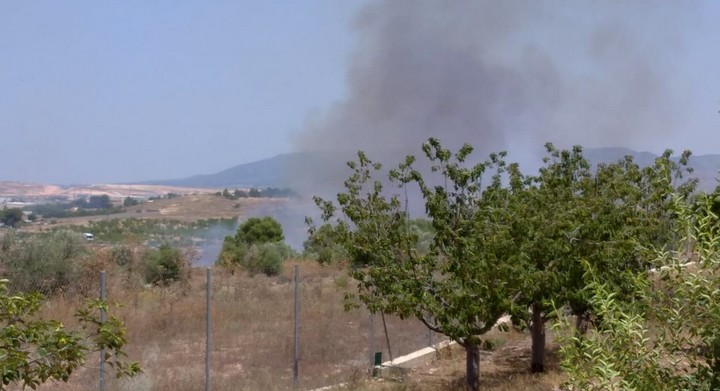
(187, 208)
(252, 343)
(252, 328)
(503, 369)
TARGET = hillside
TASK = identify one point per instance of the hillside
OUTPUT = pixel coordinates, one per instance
(115, 191)
(325, 168)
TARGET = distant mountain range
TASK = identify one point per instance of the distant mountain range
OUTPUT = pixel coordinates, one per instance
(287, 170)
(278, 171)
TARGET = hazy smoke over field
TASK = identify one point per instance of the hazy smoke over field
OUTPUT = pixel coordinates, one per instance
(506, 75)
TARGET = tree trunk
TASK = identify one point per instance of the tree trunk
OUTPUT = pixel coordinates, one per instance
(472, 362)
(537, 331)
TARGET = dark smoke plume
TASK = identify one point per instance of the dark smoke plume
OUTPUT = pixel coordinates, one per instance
(504, 75)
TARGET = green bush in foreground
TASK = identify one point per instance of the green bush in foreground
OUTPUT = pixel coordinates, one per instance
(35, 350)
(667, 339)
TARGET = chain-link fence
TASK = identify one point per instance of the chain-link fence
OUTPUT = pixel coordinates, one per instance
(252, 331)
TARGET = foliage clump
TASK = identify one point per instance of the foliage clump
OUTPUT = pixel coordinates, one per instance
(35, 350)
(256, 247)
(669, 337)
(46, 263)
(501, 242)
(165, 265)
(323, 246)
(11, 216)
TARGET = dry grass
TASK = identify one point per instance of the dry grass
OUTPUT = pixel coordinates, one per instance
(187, 208)
(252, 329)
(506, 368)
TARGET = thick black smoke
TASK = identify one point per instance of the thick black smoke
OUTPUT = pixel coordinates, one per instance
(505, 75)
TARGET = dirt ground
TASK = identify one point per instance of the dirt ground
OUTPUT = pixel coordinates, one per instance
(187, 208)
(506, 368)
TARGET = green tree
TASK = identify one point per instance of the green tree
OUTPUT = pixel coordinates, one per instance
(566, 214)
(11, 216)
(259, 230)
(35, 350)
(266, 258)
(99, 202)
(257, 246)
(459, 287)
(668, 338)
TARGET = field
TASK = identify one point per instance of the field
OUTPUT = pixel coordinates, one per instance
(188, 208)
(252, 326)
(252, 338)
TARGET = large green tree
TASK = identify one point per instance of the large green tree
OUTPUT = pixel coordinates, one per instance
(11, 216)
(568, 216)
(460, 286)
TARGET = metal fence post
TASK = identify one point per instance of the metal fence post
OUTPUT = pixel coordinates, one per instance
(207, 330)
(103, 315)
(296, 381)
(372, 341)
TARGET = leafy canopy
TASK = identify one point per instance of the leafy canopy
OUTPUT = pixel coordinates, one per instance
(35, 350)
(460, 284)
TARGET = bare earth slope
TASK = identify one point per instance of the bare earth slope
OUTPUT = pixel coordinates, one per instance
(19, 189)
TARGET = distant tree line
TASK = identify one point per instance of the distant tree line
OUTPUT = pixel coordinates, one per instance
(268, 192)
(94, 205)
(168, 196)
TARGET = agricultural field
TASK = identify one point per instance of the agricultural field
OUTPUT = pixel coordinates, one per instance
(187, 208)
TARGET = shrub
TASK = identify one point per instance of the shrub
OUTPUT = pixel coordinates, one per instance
(259, 230)
(164, 265)
(257, 247)
(667, 337)
(44, 263)
(122, 255)
(266, 258)
(232, 253)
(37, 350)
(322, 245)
(129, 201)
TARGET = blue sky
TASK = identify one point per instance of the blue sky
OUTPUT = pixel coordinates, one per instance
(96, 91)
(101, 91)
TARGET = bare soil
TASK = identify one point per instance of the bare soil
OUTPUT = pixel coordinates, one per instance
(187, 208)
(506, 368)
(114, 191)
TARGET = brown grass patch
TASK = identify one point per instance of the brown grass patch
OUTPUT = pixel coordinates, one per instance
(252, 332)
